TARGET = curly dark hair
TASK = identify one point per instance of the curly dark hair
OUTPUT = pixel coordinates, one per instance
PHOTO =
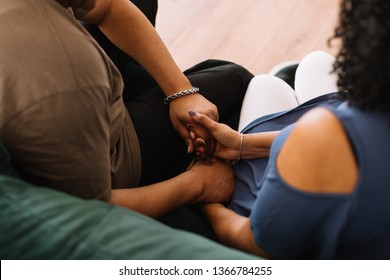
(363, 63)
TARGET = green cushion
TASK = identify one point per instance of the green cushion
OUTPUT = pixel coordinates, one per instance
(40, 223)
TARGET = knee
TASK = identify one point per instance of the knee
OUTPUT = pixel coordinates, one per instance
(241, 71)
(234, 72)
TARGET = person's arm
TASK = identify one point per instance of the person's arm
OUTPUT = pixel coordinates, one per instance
(255, 145)
(127, 27)
(232, 229)
(201, 183)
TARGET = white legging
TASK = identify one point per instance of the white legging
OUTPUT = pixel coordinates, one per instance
(267, 94)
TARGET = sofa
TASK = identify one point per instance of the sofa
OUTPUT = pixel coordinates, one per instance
(42, 223)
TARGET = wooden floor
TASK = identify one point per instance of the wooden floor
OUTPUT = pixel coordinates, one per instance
(257, 34)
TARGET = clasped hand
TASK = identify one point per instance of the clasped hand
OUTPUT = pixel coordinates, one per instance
(196, 120)
(226, 141)
(187, 127)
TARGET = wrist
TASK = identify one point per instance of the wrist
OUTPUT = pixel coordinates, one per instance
(176, 85)
(239, 149)
(258, 145)
(179, 94)
(194, 186)
(210, 208)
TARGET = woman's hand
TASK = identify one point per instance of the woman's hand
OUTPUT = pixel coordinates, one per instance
(187, 127)
(228, 140)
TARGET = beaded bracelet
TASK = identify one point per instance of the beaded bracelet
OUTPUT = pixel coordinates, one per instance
(180, 94)
(241, 147)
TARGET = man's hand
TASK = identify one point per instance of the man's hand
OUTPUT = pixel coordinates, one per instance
(217, 180)
(184, 124)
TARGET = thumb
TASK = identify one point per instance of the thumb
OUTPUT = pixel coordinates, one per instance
(186, 136)
(203, 120)
(190, 144)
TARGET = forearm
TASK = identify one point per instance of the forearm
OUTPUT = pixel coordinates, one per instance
(127, 27)
(232, 229)
(160, 198)
(257, 145)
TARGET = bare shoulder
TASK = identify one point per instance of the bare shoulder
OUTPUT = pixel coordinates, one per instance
(317, 156)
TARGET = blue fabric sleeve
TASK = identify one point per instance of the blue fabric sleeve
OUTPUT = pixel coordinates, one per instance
(290, 224)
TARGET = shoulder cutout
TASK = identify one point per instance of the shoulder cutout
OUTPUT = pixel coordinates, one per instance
(317, 156)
